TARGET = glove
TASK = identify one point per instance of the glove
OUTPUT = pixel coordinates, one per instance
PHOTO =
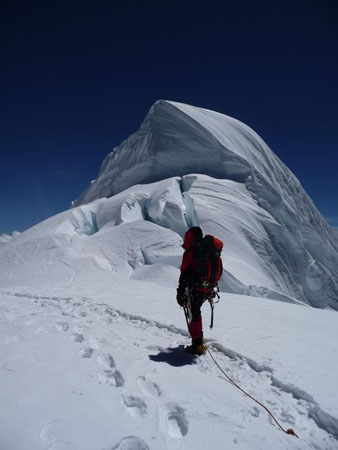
(181, 298)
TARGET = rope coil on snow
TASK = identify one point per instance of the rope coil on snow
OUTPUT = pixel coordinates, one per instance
(288, 431)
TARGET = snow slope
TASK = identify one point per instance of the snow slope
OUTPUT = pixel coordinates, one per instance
(177, 140)
(335, 231)
(137, 234)
(91, 336)
(103, 368)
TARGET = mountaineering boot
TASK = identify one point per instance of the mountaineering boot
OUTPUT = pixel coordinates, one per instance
(196, 349)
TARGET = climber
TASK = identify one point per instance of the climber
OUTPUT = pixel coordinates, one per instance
(201, 270)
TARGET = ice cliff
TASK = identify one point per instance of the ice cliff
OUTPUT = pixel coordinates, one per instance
(277, 224)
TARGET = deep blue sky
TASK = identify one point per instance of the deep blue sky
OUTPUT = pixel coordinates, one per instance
(77, 78)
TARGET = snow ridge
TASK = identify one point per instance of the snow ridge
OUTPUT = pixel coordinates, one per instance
(176, 140)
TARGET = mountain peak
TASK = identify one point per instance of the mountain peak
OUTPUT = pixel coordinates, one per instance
(177, 140)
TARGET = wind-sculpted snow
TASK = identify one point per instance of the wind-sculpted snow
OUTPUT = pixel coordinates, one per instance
(137, 234)
(295, 248)
(4, 238)
(276, 244)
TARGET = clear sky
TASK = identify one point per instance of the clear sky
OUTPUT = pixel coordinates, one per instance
(78, 77)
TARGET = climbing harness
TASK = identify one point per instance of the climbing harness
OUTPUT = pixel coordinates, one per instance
(210, 298)
(288, 431)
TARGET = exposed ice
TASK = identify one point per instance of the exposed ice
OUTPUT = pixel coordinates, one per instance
(296, 250)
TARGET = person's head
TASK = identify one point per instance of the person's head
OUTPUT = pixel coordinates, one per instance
(192, 237)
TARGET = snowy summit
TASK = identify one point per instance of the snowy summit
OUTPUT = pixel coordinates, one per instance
(261, 210)
(91, 334)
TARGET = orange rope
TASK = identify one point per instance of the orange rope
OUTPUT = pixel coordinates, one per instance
(288, 431)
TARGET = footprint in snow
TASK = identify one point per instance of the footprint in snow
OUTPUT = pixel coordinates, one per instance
(149, 387)
(62, 326)
(110, 374)
(173, 420)
(255, 412)
(96, 342)
(86, 352)
(288, 418)
(54, 434)
(77, 337)
(131, 443)
(135, 406)
(112, 377)
(106, 361)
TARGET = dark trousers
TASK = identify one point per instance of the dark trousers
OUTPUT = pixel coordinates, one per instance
(197, 299)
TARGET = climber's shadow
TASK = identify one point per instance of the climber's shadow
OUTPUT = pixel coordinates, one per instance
(174, 356)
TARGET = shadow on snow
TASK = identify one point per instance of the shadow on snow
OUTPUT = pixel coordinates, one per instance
(174, 356)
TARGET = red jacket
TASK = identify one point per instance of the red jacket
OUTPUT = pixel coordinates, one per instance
(189, 246)
(188, 260)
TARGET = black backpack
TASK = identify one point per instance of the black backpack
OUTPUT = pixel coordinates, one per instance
(208, 266)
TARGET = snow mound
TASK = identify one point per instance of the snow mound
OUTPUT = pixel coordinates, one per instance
(6, 237)
(137, 234)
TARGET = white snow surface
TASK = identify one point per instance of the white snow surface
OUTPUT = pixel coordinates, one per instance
(297, 248)
(91, 335)
(335, 231)
(6, 237)
(103, 368)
